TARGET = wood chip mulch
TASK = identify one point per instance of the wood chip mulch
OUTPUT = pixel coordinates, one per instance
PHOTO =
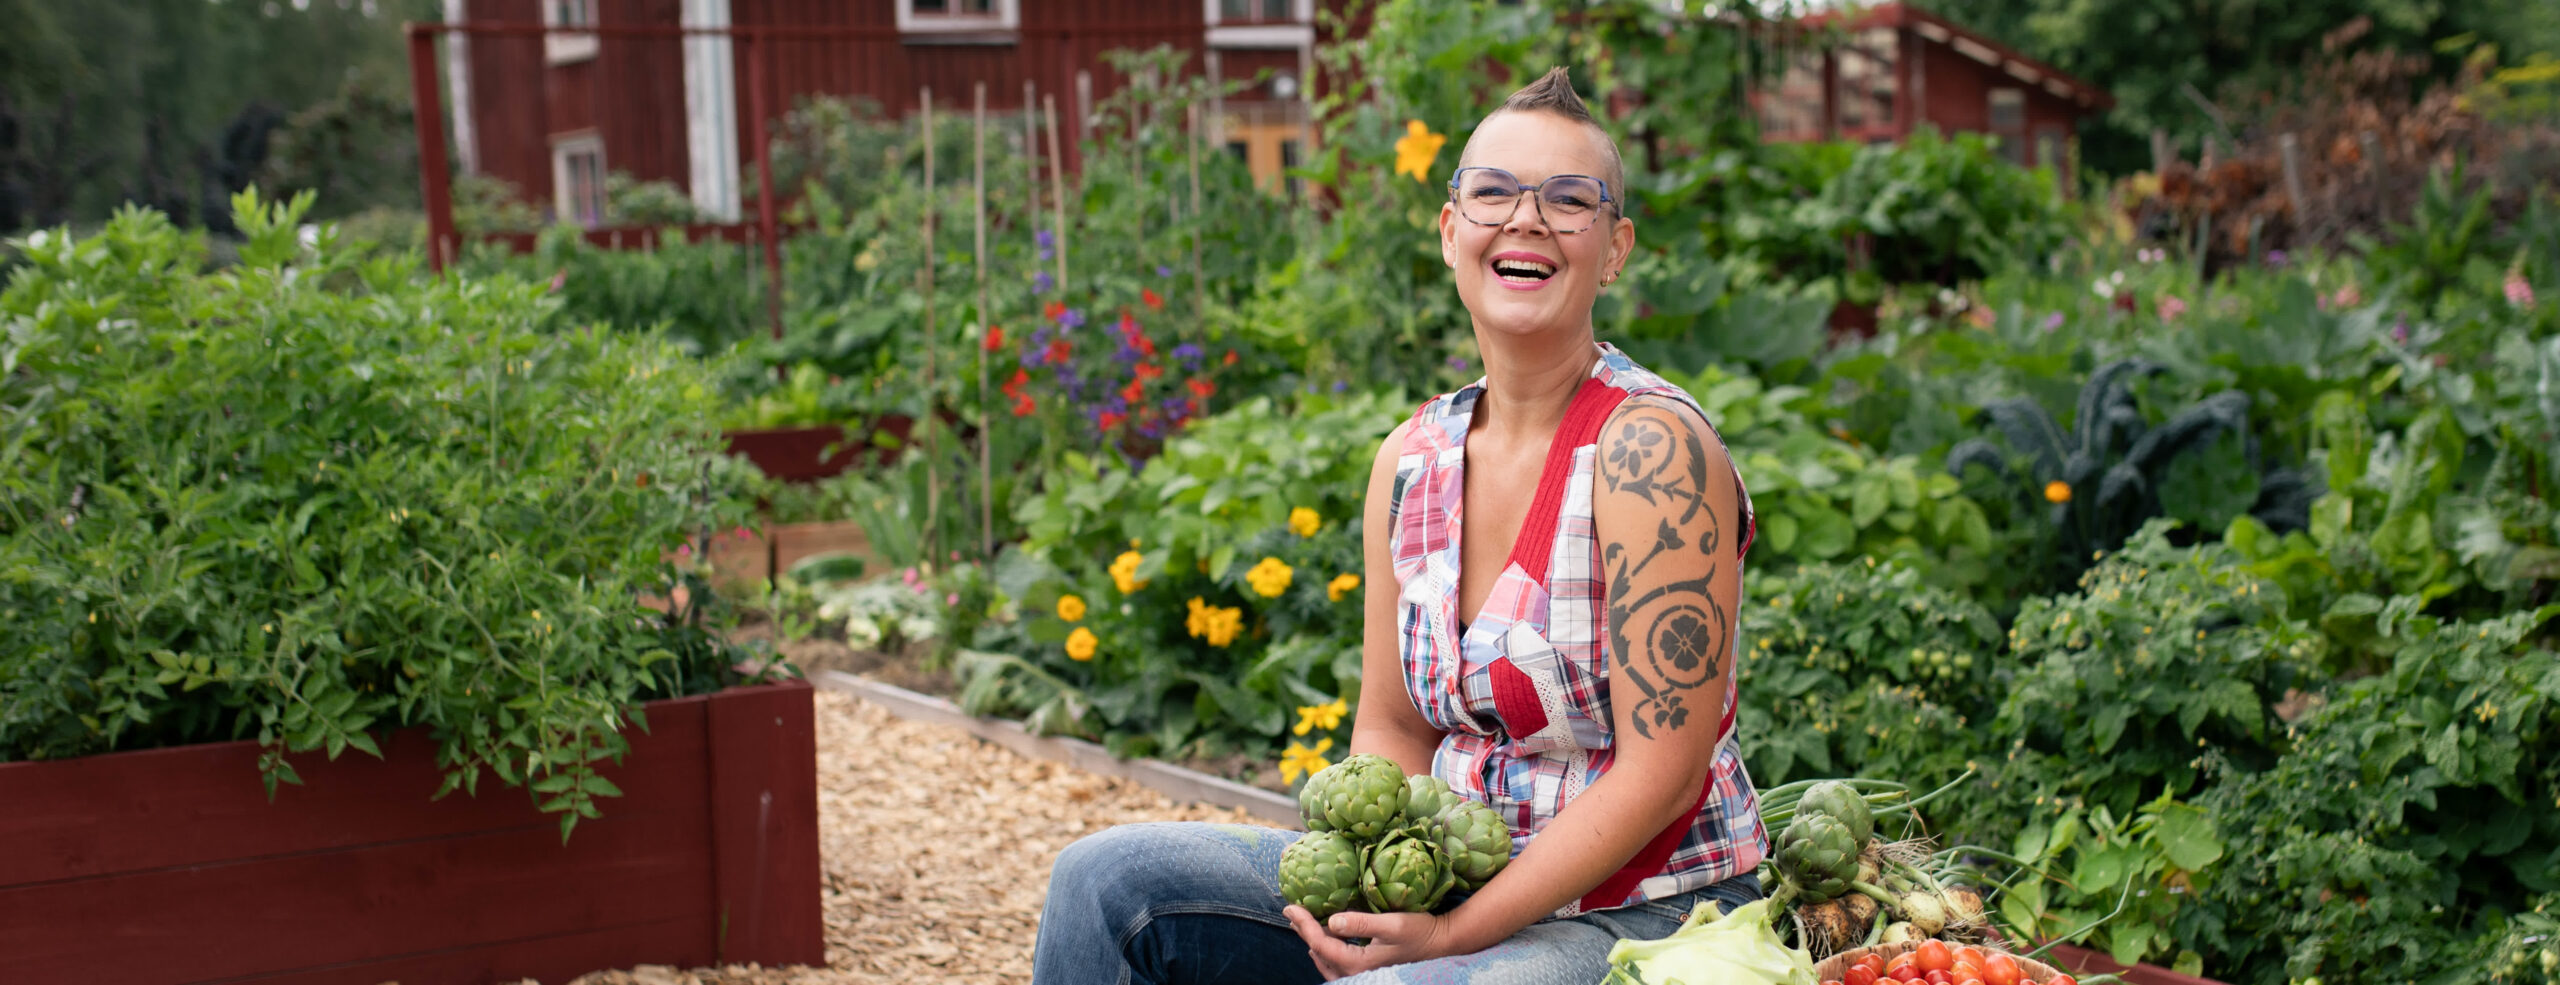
(936, 848)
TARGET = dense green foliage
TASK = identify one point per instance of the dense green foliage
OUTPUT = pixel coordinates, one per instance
(306, 499)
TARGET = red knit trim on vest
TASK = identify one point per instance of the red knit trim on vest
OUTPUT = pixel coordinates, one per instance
(1590, 409)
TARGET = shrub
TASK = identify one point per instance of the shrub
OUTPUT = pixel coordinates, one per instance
(303, 500)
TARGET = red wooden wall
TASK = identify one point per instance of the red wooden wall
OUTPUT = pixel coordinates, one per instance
(1958, 98)
(171, 865)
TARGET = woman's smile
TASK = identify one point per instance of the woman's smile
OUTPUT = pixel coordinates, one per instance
(1522, 270)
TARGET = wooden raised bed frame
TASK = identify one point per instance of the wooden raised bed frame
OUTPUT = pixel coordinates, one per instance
(171, 865)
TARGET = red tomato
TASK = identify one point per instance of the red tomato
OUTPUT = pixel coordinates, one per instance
(1938, 978)
(2000, 969)
(2062, 979)
(1968, 981)
(1902, 970)
(1933, 956)
(1832, 981)
(1874, 962)
(1965, 968)
(1858, 974)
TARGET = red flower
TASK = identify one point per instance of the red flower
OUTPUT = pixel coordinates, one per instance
(1201, 388)
(1148, 371)
(1230, 359)
(1110, 420)
(1155, 302)
(1059, 351)
(1146, 346)
(1134, 392)
(1013, 387)
(1021, 405)
(1128, 324)
(995, 337)
(1054, 309)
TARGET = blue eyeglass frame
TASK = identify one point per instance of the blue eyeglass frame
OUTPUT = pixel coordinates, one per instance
(1537, 193)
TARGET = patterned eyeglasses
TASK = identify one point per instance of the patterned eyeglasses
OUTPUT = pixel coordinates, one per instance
(1570, 203)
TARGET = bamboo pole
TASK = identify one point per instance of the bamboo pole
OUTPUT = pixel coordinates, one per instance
(926, 422)
(1057, 189)
(1031, 153)
(986, 326)
(1199, 220)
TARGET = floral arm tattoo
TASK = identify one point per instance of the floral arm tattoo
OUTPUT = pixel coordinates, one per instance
(1670, 632)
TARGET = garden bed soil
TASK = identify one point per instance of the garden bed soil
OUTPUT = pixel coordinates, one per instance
(936, 850)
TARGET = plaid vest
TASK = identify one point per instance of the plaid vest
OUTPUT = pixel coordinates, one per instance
(1523, 693)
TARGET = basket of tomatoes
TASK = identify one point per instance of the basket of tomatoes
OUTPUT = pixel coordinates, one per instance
(1935, 962)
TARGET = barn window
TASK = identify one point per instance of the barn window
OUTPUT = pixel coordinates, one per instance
(1230, 11)
(561, 48)
(2009, 122)
(962, 20)
(1793, 109)
(1868, 79)
(577, 179)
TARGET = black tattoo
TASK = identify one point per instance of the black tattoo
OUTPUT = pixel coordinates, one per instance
(1685, 629)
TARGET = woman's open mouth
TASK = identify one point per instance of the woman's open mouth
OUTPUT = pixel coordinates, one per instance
(1522, 271)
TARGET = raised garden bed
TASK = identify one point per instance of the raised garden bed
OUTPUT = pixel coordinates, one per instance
(172, 865)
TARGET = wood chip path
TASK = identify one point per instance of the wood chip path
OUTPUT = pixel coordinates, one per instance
(937, 849)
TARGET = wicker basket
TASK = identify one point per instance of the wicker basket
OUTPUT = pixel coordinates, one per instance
(1829, 969)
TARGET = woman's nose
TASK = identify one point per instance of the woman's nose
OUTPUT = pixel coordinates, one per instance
(1525, 216)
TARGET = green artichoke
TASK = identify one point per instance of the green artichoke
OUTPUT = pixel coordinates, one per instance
(1426, 796)
(1311, 799)
(1476, 840)
(1406, 874)
(1817, 856)
(1363, 796)
(1322, 873)
(1839, 800)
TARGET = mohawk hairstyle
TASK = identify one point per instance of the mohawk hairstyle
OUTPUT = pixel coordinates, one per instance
(1553, 93)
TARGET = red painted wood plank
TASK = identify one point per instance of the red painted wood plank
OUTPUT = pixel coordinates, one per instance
(764, 826)
(551, 959)
(150, 809)
(230, 920)
(2080, 960)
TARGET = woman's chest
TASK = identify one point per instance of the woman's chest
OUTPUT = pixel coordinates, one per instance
(1499, 486)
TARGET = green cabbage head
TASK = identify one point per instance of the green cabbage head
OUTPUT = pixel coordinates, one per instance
(1738, 948)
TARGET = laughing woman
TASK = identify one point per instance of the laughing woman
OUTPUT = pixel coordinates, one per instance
(1554, 564)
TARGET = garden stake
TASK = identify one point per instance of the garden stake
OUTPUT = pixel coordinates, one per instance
(1057, 190)
(926, 420)
(1199, 218)
(986, 431)
(1031, 152)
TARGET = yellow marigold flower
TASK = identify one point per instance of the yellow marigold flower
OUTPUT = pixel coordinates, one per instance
(1124, 572)
(1325, 716)
(1070, 608)
(1340, 586)
(1417, 149)
(1300, 760)
(1081, 643)
(1269, 578)
(1304, 522)
(2057, 491)
(1217, 624)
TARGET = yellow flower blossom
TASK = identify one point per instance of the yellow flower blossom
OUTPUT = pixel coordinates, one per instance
(1217, 624)
(1269, 578)
(2057, 491)
(1300, 760)
(1081, 643)
(1340, 586)
(1304, 522)
(1070, 608)
(1124, 572)
(1417, 149)
(1325, 716)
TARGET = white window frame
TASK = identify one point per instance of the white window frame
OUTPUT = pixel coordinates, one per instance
(562, 49)
(1007, 18)
(1259, 34)
(563, 196)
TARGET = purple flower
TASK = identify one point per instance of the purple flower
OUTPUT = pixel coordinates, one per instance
(2053, 321)
(1045, 238)
(1163, 271)
(2400, 330)
(1070, 318)
(2276, 259)
(1127, 353)
(1340, 385)
(1188, 354)
(1047, 254)
(1458, 363)
(1040, 282)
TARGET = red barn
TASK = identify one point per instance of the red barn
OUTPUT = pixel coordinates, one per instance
(1874, 74)
(664, 90)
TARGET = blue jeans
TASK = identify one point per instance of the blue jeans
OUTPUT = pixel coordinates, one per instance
(1161, 904)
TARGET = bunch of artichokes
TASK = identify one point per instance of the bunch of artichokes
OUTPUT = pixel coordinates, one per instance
(1381, 841)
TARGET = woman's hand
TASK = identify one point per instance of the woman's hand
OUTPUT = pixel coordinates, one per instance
(1394, 938)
